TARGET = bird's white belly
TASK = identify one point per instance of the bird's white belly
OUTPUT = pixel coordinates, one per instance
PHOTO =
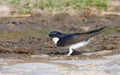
(80, 44)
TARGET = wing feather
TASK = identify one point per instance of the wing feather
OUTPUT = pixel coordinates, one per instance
(69, 39)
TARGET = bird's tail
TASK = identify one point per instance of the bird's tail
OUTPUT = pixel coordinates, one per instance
(97, 31)
(93, 32)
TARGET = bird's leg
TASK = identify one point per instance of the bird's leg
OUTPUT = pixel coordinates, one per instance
(70, 52)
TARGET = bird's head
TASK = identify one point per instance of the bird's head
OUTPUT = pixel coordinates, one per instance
(54, 34)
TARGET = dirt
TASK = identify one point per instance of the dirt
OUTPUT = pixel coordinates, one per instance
(106, 43)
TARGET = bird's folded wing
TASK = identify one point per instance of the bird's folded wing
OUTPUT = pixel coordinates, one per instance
(78, 37)
(72, 40)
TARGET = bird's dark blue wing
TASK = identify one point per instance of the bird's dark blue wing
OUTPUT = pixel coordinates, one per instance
(64, 38)
(68, 39)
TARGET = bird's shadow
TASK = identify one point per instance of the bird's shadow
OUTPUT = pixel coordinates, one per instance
(63, 53)
(74, 52)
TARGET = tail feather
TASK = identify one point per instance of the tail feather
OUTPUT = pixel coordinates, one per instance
(91, 33)
(95, 31)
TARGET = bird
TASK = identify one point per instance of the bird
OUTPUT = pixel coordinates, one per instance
(73, 40)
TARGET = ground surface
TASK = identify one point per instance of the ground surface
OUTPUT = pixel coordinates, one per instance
(28, 35)
(108, 65)
(25, 47)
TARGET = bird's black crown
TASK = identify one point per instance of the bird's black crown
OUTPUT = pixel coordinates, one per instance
(54, 34)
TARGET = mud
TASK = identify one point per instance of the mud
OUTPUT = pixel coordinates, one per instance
(106, 43)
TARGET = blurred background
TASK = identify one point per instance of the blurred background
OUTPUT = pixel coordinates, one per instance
(13, 7)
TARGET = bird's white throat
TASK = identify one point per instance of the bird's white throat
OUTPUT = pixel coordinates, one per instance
(55, 40)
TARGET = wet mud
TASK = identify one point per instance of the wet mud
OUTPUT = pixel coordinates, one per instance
(31, 35)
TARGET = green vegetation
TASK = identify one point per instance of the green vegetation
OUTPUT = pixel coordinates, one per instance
(15, 35)
(111, 30)
(26, 6)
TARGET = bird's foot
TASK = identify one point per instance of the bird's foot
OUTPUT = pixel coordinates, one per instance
(70, 52)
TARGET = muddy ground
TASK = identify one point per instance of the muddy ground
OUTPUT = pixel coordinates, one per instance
(27, 37)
